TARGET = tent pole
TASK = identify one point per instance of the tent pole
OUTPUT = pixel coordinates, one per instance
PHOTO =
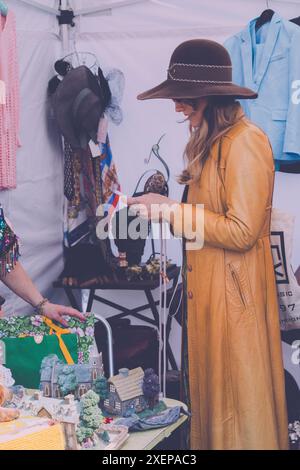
(64, 5)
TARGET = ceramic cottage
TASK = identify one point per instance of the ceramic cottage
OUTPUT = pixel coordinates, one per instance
(125, 393)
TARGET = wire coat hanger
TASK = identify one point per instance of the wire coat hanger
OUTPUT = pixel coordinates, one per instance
(76, 59)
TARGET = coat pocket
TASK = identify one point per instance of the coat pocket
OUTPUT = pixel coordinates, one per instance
(238, 285)
(239, 293)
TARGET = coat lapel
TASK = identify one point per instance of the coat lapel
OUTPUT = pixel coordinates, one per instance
(248, 50)
(272, 35)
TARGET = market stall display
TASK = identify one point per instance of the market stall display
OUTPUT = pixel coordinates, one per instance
(59, 388)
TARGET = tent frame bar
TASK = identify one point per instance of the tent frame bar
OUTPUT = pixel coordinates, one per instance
(40, 6)
(85, 11)
(107, 7)
(64, 5)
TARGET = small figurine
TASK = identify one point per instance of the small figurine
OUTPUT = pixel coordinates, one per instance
(105, 437)
(108, 420)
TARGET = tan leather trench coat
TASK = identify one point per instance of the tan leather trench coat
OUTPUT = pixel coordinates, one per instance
(236, 373)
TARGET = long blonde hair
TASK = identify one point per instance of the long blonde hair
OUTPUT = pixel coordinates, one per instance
(220, 114)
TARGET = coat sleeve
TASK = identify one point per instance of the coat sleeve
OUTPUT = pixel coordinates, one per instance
(249, 176)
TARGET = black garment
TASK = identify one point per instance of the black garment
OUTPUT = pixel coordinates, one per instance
(134, 249)
(289, 167)
(69, 180)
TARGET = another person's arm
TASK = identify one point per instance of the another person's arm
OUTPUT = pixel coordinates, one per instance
(20, 283)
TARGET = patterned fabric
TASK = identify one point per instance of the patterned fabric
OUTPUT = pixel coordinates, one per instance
(166, 418)
(69, 183)
(9, 247)
(110, 182)
(9, 111)
(80, 210)
(95, 180)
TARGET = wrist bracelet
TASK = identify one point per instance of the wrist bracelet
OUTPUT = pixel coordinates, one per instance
(39, 308)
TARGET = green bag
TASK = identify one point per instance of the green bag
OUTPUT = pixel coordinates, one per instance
(24, 356)
(29, 339)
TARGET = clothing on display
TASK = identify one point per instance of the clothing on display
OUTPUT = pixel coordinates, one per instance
(87, 257)
(9, 104)
(267, 60)
(80, 99)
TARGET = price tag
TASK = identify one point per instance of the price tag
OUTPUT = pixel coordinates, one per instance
(95, 149)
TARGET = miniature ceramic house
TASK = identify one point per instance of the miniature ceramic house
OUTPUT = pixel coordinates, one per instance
(125, 393)
(86, 374)
(64, 411)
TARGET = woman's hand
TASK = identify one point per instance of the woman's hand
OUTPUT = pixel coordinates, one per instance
(149, 206)
(57, 312)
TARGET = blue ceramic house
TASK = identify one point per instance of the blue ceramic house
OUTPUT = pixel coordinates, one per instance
(86, 374)
(125, 393)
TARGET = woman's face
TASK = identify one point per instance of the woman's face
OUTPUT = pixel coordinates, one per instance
(192, 109)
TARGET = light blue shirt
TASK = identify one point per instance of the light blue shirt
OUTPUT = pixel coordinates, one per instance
(268, 62)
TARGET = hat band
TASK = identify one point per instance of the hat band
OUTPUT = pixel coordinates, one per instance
(200, 73)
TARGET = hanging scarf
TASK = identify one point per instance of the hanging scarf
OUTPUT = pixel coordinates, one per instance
(9, 247)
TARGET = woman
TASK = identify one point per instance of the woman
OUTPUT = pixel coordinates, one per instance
(235, 369)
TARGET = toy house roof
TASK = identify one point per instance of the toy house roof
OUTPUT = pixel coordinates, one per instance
(83, 373)
(56, 408)
(129, 387)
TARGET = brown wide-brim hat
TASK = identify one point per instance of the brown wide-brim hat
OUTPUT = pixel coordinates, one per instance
(198, 68)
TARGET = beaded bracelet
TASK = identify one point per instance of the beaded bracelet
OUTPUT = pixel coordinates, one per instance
(39, 308)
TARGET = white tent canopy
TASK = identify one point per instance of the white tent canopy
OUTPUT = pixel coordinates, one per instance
(138, 39)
